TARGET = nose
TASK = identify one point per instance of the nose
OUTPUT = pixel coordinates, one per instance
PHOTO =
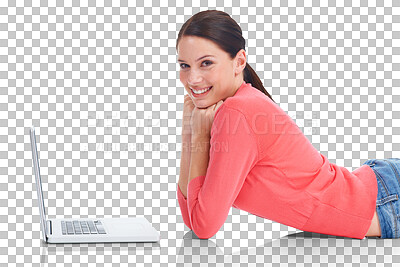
(194, 77)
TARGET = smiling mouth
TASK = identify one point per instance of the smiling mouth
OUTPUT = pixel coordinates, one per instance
(200, 92)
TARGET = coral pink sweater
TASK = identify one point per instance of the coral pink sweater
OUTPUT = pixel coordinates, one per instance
(261, 162)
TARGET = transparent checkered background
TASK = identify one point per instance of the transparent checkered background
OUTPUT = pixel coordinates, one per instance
(100, 81)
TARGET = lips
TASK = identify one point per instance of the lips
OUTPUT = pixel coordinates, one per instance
(201, 94)
(200, 89)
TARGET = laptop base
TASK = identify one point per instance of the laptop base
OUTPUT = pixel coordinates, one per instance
(137, 229)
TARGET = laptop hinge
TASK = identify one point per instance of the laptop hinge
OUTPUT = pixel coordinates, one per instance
(50, 227)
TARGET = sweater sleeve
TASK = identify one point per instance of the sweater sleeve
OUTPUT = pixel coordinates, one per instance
(183, 205)
(233, 153)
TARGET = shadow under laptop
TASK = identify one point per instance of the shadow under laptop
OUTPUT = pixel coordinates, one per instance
(100, 248)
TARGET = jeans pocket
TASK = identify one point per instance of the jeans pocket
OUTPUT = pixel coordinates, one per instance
(382, 201)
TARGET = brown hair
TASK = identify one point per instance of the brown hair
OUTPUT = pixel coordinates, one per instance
(221, 29)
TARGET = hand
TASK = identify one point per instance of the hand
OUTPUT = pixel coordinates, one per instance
(202, 120)
(188, 107)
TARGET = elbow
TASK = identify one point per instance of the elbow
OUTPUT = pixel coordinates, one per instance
(204, 233)
(204, 227)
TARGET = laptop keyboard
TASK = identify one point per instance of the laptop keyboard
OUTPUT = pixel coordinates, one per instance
(82, 227)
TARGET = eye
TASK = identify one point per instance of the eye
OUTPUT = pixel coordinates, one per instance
(182, 65)
(208, 61)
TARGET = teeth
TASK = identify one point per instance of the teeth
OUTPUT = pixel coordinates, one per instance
(201, 91)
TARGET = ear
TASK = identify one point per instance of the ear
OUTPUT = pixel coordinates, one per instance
(240, 61)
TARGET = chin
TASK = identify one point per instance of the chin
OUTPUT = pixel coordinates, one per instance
(201, 106)
(205, 105)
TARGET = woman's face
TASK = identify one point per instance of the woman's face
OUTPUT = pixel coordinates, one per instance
(203, 64)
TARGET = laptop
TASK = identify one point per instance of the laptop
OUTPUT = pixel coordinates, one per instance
(86, 230)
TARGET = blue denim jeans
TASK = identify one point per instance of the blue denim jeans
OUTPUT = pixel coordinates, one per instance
(387, 172)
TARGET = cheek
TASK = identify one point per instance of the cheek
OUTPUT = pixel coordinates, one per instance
(182, 76)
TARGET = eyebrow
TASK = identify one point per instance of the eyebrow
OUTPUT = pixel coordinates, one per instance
(180, 60)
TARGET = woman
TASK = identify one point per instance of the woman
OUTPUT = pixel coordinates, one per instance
(241, 149)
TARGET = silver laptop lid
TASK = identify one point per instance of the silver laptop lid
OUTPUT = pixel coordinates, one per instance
(36, 169)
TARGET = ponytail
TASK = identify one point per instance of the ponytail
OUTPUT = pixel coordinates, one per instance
(250, 76)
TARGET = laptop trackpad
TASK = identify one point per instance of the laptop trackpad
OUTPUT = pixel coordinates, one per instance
(125, 228)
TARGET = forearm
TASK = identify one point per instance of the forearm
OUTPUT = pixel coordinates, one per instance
(185, 164)
(199, 157)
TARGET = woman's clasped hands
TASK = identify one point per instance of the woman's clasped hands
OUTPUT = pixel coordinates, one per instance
(200, 121)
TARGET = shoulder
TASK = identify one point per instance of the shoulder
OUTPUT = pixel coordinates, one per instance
(249, 102)
(237, 114)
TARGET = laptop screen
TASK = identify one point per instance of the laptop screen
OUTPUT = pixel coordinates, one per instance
(36, 170)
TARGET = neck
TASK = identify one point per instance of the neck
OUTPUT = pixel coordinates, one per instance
(238, 84)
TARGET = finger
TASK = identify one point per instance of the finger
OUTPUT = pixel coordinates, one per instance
(218, 104)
